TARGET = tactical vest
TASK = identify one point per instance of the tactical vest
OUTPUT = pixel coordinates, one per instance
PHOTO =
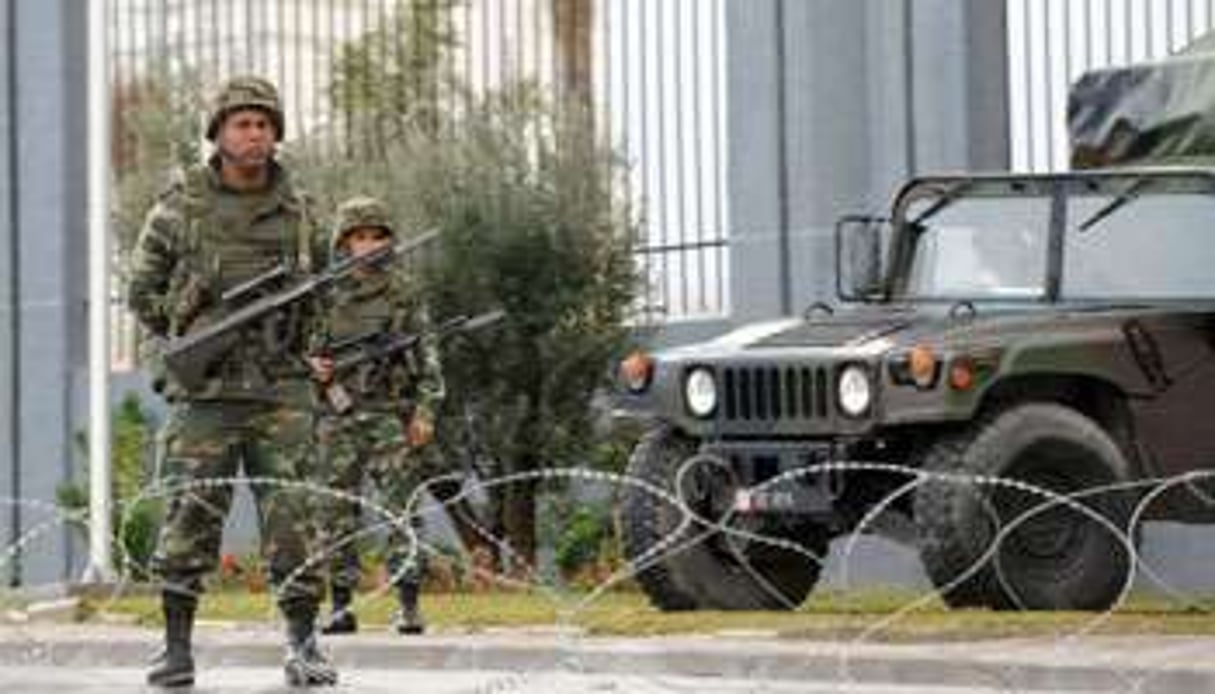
(376, 304)
(229, 238)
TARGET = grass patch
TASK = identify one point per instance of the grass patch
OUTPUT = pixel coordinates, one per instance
(827, 615)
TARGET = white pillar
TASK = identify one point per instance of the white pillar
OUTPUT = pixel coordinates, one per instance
(100, 560)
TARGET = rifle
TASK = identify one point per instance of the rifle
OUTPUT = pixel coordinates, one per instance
(379, 347)
(263, 284)
(190, 358)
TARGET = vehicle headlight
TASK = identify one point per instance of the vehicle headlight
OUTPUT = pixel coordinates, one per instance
(855, 391)
(700, 392)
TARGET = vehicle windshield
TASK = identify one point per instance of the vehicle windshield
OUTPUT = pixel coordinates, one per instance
(1159, 246)
(1124, 239)
(978, 248)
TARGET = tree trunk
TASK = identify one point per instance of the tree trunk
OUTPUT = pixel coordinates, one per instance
(519, 524)
(573, 21)
(475, 532)
(519, 497)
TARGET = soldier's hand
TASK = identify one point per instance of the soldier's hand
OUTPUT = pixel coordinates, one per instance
(421, 428)
(322, 369)
(152, 355)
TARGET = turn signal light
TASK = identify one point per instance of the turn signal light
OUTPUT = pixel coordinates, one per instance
(962, 374)
(636, 371)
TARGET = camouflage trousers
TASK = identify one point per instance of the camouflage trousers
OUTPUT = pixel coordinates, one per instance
(370, 447)
(201, 448)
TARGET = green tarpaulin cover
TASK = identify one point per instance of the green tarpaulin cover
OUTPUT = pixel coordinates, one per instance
(1153, 113)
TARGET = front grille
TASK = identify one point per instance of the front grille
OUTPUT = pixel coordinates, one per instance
(774, 393)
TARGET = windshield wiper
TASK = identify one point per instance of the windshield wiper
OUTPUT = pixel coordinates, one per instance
(1132, 191)
(948, 195)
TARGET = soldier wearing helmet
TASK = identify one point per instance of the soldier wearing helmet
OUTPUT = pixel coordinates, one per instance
(245, 123)
(248, 92)
(384, 428)
(217, 226)
(366, 217)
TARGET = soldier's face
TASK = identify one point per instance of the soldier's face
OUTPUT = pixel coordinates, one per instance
(246, 138)
(363, 240)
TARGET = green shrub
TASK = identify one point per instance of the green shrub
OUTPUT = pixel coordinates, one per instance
(135, 521)
(580, 544)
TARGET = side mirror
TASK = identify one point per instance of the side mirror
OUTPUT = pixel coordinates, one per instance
(860, 253)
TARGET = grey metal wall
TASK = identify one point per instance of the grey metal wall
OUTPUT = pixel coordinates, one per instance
(42, 231)
(8, 367)
(1053, 43)
(831, 105)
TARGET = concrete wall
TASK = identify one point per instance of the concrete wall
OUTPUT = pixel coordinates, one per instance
(42, 231)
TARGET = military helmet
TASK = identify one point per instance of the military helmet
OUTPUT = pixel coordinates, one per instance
(247, 91)
(360, 211)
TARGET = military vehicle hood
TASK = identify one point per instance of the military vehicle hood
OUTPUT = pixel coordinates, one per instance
(868, 332)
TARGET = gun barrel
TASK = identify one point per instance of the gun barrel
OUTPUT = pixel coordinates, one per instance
(269, 278)
(372, 347)
(484, 319)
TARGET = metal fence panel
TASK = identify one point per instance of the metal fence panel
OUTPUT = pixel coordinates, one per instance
(654, 71)
(1052, 42)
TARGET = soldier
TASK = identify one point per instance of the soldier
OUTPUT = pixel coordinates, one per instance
(217, 226)
(384, 425)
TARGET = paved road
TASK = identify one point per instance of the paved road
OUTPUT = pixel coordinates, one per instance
(99, 658)
(56, 680)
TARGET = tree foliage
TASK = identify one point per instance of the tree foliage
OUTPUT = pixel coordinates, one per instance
(529, 202)
(532, 218)
(156, 129)
(135, 519)
(397, 76)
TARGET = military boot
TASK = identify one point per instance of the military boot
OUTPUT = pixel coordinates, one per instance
(341, 617)
(408, 620)
(305, 666)
(174, 665)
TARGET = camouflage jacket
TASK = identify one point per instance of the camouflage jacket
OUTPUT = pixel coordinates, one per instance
(201, 239)
(383, 302)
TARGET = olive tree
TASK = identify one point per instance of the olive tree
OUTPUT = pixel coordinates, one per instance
(534, 227)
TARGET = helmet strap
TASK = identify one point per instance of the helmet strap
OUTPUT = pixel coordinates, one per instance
(239, 175)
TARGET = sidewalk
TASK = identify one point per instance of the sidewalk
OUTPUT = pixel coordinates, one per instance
(1113, 664)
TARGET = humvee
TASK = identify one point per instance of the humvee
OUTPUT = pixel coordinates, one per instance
(1020, 367)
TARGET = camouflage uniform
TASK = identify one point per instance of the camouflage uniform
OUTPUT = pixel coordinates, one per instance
(247, 411)
(369, 441)
(200, 239)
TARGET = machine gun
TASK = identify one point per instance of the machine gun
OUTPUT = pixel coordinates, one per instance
(376, 347)
(190, 359)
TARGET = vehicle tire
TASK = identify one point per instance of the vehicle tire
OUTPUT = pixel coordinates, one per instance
(1045, 557)
(715, 572)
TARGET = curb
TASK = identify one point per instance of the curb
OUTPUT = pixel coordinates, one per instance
(1003, 665)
